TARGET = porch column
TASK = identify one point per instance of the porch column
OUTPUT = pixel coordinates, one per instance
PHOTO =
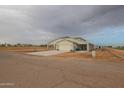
(48, 46)
(88, 47)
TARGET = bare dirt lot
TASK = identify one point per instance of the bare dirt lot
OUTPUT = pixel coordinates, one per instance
(107, 54)
(24, 49)
(20, 70)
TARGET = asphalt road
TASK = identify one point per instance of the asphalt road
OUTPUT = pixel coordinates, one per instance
(19, 70)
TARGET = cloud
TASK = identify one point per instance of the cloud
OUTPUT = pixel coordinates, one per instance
(40, 24)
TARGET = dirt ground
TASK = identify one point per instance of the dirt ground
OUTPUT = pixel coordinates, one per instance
(107, 54)
(23, 49)
(20, 70)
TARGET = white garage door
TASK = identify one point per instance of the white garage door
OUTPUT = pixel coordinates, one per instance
(66, 47)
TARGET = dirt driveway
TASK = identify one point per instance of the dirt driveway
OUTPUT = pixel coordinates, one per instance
(19, 70)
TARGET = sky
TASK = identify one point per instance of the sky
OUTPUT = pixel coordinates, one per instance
(39, 24)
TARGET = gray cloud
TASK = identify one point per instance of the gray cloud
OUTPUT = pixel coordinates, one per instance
(39, 24)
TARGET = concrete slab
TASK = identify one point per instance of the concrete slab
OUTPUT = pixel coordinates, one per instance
(46, 53)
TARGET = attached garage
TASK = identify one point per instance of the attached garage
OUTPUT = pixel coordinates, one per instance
(65, 45)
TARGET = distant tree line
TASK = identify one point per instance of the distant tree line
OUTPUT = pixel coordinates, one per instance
(21, 45)
(120, 47)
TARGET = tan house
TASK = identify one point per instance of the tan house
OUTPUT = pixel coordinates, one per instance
(70, 44)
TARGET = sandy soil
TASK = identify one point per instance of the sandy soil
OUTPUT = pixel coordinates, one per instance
(111, 55)
(19, 70)
(23, 49)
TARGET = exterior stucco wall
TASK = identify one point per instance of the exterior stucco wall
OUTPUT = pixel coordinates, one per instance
(91, 47)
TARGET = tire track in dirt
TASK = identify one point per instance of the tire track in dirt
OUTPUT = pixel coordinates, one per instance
(114, 53)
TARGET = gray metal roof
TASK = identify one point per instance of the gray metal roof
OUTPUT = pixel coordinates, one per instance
(77, 40)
